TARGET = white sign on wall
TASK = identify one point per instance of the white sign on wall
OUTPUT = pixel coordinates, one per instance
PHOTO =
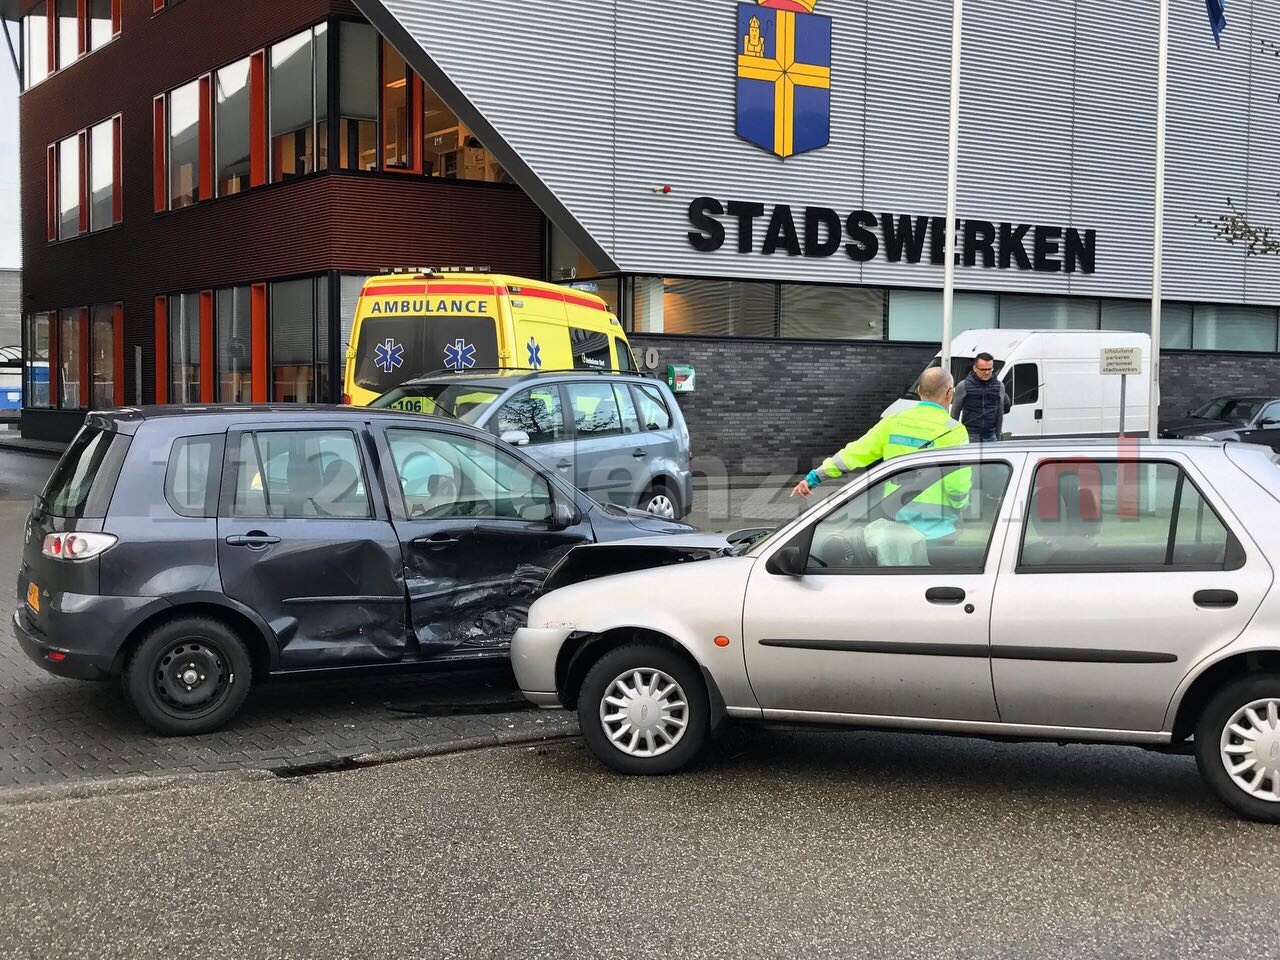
(1120, 361)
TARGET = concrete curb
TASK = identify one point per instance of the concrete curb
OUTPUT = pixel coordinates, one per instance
(37, 448)
(123, 786)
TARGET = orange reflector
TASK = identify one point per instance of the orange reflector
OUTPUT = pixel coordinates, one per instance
(56, 656)
(722, 641)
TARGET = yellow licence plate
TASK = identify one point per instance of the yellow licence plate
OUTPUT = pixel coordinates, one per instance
(33, 597)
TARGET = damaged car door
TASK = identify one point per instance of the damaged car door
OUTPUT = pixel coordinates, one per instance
(480, 528)
(302, 542)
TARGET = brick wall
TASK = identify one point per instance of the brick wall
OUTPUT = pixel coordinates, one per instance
(763, 405)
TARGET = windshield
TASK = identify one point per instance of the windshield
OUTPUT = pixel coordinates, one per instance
(392, 350)
(959, 370)
(1239, 410)
(462, 401)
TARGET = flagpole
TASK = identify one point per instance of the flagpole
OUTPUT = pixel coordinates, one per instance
(949, 266)
(1157, 260)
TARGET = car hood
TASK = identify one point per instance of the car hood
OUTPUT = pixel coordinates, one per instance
(594, 560)
(1193, 426)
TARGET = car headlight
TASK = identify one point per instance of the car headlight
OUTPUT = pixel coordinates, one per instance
(1202, 436)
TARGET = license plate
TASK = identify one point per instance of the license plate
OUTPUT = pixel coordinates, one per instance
(33, 597)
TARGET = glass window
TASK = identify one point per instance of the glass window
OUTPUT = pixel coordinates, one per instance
(184, 145)
(1135, 315)
(234, 337)
(595, 410)
(357, 96)
(102, 177)
(653, 408)
(69, 382)
(832, 313)
(36, 392)
(626, 362)
(590, 349)
(537, 411)
(188, 483)
(934, 517)
(916, 315)
(1235, 410)
(1037, 312)
(184, 348)
(627, 407)
(293, 145)
(293, 343)
(1095, 516)
(1022, 383)
(348, 296)
(718, 308)
(36, 33)
(448, 476)
(103, 343)
(462, 401)
(567, 261)
(68, 33)
(308, 473)
(231, 128)
(69, 188)
(320, 94)
(84, 479)
(1270, 416)
(100, 27)
(397, 149)
(322, 394)
(452, 150)
(1222, 327)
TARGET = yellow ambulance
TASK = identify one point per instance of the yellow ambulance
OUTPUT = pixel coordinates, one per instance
(413, 323)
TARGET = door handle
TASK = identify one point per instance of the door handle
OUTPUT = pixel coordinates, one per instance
(564, 464)
(254, 540)
(944, 595)
(1215, 598)
(640, 454)
(1039, 414)
(436, 542)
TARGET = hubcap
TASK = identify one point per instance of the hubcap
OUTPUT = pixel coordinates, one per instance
(191, 676)
(1250, 746)
(644, 712)
(662, 506)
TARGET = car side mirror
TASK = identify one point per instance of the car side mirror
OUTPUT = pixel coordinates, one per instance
(517, 438)
(563, 515)
(1269, 422)
(787, 562)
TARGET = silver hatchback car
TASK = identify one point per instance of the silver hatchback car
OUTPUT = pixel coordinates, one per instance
(1083, 591)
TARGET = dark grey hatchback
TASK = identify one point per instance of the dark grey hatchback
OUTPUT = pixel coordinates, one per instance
(192, 551)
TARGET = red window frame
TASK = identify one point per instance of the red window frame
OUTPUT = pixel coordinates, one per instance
(206, 346)
(160, 147)
(258, 119)
(117, 170)
(117, 352)
(85, 177)
(54, 319)
(51, 191)
(258, 322)
(162, 350)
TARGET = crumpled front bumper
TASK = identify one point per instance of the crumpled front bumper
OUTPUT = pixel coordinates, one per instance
(533, 659)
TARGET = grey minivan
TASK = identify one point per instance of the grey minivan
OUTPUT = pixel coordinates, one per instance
(618, 437)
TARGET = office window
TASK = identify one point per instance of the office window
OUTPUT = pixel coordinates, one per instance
(1230, 327)
(100, 26)
(452, 151)
(36, 368)
(397, 143)
(298, 93)
(69, 362)
(835, 313)
(68, 33)
(231, 128)
(184, 348)
(348, 295)
(234, 338)
(103, 347)
(357, 96)
(184, 145)
(1032, 312)
(916, 315)
(1135, 315)
(716, 308)
(69, 187)
(293, 341)
(36, 42)
(102, 185)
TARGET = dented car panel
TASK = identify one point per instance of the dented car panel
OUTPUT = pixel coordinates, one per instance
(607, 559)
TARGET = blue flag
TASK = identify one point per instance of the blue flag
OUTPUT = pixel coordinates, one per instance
(1217, 19)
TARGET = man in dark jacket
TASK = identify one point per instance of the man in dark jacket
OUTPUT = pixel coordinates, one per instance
(981, 402)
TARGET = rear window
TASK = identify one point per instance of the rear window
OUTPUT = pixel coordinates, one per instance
(590, 349)
(461, 401)
(392, 350)
(85, 478)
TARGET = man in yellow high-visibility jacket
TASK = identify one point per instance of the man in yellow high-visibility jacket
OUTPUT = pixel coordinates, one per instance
(927, 424)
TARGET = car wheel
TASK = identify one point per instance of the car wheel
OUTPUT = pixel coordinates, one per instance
(1238, 746)
(644, 709)
(660, 500)
(188, 676)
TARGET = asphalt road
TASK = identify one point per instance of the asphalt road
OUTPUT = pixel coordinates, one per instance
(794, 844)
(22, 475)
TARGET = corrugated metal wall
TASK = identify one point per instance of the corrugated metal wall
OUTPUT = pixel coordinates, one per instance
(605, 100)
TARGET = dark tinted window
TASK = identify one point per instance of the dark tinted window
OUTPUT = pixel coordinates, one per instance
(590, 349)
(392, 350)
(625, 360)
(83, 481)
(189, 484)
(654, 414)
(1025, 385)
(537, 411)
(290, 474)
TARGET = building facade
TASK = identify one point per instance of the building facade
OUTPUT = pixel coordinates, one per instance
(757, 187)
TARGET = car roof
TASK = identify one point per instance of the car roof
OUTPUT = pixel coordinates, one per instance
(128, 419)
(505, 378)
(1088, 446)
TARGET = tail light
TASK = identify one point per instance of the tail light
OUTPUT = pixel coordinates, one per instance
(346, 399)
(76, 546)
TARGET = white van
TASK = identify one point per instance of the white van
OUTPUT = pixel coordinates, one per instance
(1053, 378)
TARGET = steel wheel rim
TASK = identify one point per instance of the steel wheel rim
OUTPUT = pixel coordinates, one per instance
(660, 505)
(191, 677)
(644, 712)
(1250, 749)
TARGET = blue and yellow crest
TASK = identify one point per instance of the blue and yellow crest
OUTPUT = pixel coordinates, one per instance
(784, 76)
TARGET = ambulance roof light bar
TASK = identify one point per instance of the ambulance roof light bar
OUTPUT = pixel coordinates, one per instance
(435, 271)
